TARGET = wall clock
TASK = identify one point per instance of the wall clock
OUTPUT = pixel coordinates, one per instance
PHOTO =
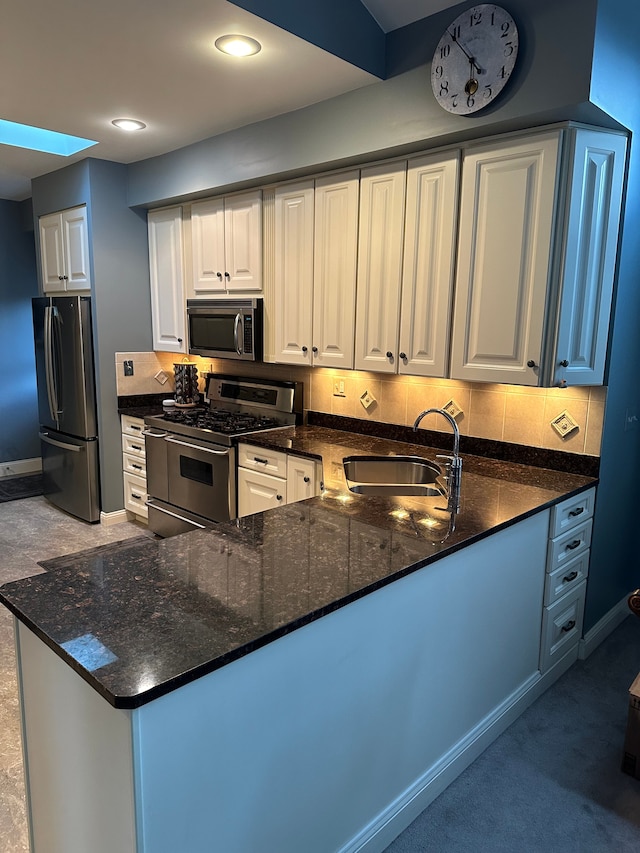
(474, 59)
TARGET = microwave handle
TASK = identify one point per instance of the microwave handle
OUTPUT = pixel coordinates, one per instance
(236, 338)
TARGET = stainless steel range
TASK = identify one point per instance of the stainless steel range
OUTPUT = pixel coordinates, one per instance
(191, 452)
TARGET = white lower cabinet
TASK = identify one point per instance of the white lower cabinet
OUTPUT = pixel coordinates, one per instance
(566, 578)
(134, 466)
(270, 478)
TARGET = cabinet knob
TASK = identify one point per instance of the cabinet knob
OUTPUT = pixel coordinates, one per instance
(65, 277)
(219, 274)
(531, 363)
(389, 354)
(304, 349)
(226, 275)
(403, 356)
(179, 340)
(307, 479)
(60, 278)
(314, 349)
(564, 363)
(278, 497)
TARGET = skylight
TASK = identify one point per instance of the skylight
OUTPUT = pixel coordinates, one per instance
(38, 139)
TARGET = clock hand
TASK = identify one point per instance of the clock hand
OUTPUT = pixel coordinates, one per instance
(467, 54)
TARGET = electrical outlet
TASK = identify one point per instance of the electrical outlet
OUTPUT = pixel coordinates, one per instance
(338, 388)
(453, 409)
(128, 367)
(564, 424)
(367, 399)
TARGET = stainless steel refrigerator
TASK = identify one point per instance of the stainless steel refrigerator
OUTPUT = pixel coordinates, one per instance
(67, 403)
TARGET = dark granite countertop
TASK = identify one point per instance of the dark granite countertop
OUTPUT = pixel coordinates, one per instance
(157, 614)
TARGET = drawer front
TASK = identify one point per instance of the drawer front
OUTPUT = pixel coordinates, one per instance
(134, 446)
(135, 495)
(135, 465)
(132, 426)
(564, 548)
(566, 578)
(562, 626)
(260, 459)
(571, 512)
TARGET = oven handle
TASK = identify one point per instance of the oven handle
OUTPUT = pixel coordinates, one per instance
(236, 339)
(154, 434)
(175, 515)
(198, 447)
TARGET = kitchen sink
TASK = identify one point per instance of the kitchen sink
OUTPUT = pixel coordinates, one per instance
(391, 475)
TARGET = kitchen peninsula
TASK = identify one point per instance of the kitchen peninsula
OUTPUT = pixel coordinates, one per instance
(307, 678)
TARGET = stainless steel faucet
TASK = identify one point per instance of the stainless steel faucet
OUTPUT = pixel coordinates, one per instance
(453, 464)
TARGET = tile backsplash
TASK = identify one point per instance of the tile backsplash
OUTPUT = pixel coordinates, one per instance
(511, 413)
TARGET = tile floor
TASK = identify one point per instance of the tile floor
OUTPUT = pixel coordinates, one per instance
(31, 530)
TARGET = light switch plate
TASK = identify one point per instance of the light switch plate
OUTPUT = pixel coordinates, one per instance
(338, 388)
(367, 399)
(453, 409)
(564, 424)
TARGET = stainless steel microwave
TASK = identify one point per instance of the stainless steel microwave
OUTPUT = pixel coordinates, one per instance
(225, 328)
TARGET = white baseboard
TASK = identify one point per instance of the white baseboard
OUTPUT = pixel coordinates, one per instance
(378, 834)
(117, 517)
(603, 628)
(21, 466)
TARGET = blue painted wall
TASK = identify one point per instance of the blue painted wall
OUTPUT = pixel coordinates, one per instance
(18, 284)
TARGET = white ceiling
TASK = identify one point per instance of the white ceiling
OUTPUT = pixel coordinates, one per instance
(73, 66)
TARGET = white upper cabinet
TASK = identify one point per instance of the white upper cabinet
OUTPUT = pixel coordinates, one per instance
(577, 344)
(505, 239)
(167, 280)
(226, 241)
(429, 263)
(315, 271)
(381, 234)
(64, 250)
(539, 223)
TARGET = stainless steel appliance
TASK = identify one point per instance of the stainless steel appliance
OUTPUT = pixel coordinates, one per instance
(191, 453)
(67, 403)
(220, 328)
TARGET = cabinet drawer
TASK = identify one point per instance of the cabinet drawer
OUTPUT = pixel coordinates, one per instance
(133, 445)
(260, 459)
(132, 426)
(566, 578)
(562, 626)
(571, 512)
(564, 548)
(135, 495)
(135, 465)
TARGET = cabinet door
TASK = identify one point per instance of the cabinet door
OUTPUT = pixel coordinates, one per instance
(293, 273)
(258, 492)
(167, 286)
(335, 262)
(594, 204)
(506, 219)
(428, 268)
(243, 242)
(382, 190)
(302, 478)
(75, 230)
(51, 252)
(207, 245)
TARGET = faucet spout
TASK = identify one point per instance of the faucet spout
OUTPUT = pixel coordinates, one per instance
(454, 463)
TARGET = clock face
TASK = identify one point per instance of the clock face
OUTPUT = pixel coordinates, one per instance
(474, 59)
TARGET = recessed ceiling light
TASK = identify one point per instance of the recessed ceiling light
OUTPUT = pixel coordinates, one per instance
(129, 124)
(236, 45)
(40, 139)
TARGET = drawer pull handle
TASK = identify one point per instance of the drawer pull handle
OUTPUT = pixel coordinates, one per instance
(261, 461)
(569, 626)
(137, 497)
(136, 447)
(136, 428)
(307, 479)
(573, 544)
(570, 577)
(137, 467)
(575, 512)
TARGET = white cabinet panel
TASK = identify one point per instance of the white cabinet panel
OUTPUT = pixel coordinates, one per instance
(381, 231)
(64, 250)
(207, 246)
(505, 240)
(258, 492)
(303, 478)
(166, 280)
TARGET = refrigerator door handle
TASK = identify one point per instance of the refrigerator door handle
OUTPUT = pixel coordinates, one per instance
(47, 438)
(48, 364)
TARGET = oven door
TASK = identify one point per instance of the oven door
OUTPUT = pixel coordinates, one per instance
(201, 477)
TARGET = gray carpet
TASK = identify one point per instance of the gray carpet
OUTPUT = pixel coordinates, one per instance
(552, 782)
